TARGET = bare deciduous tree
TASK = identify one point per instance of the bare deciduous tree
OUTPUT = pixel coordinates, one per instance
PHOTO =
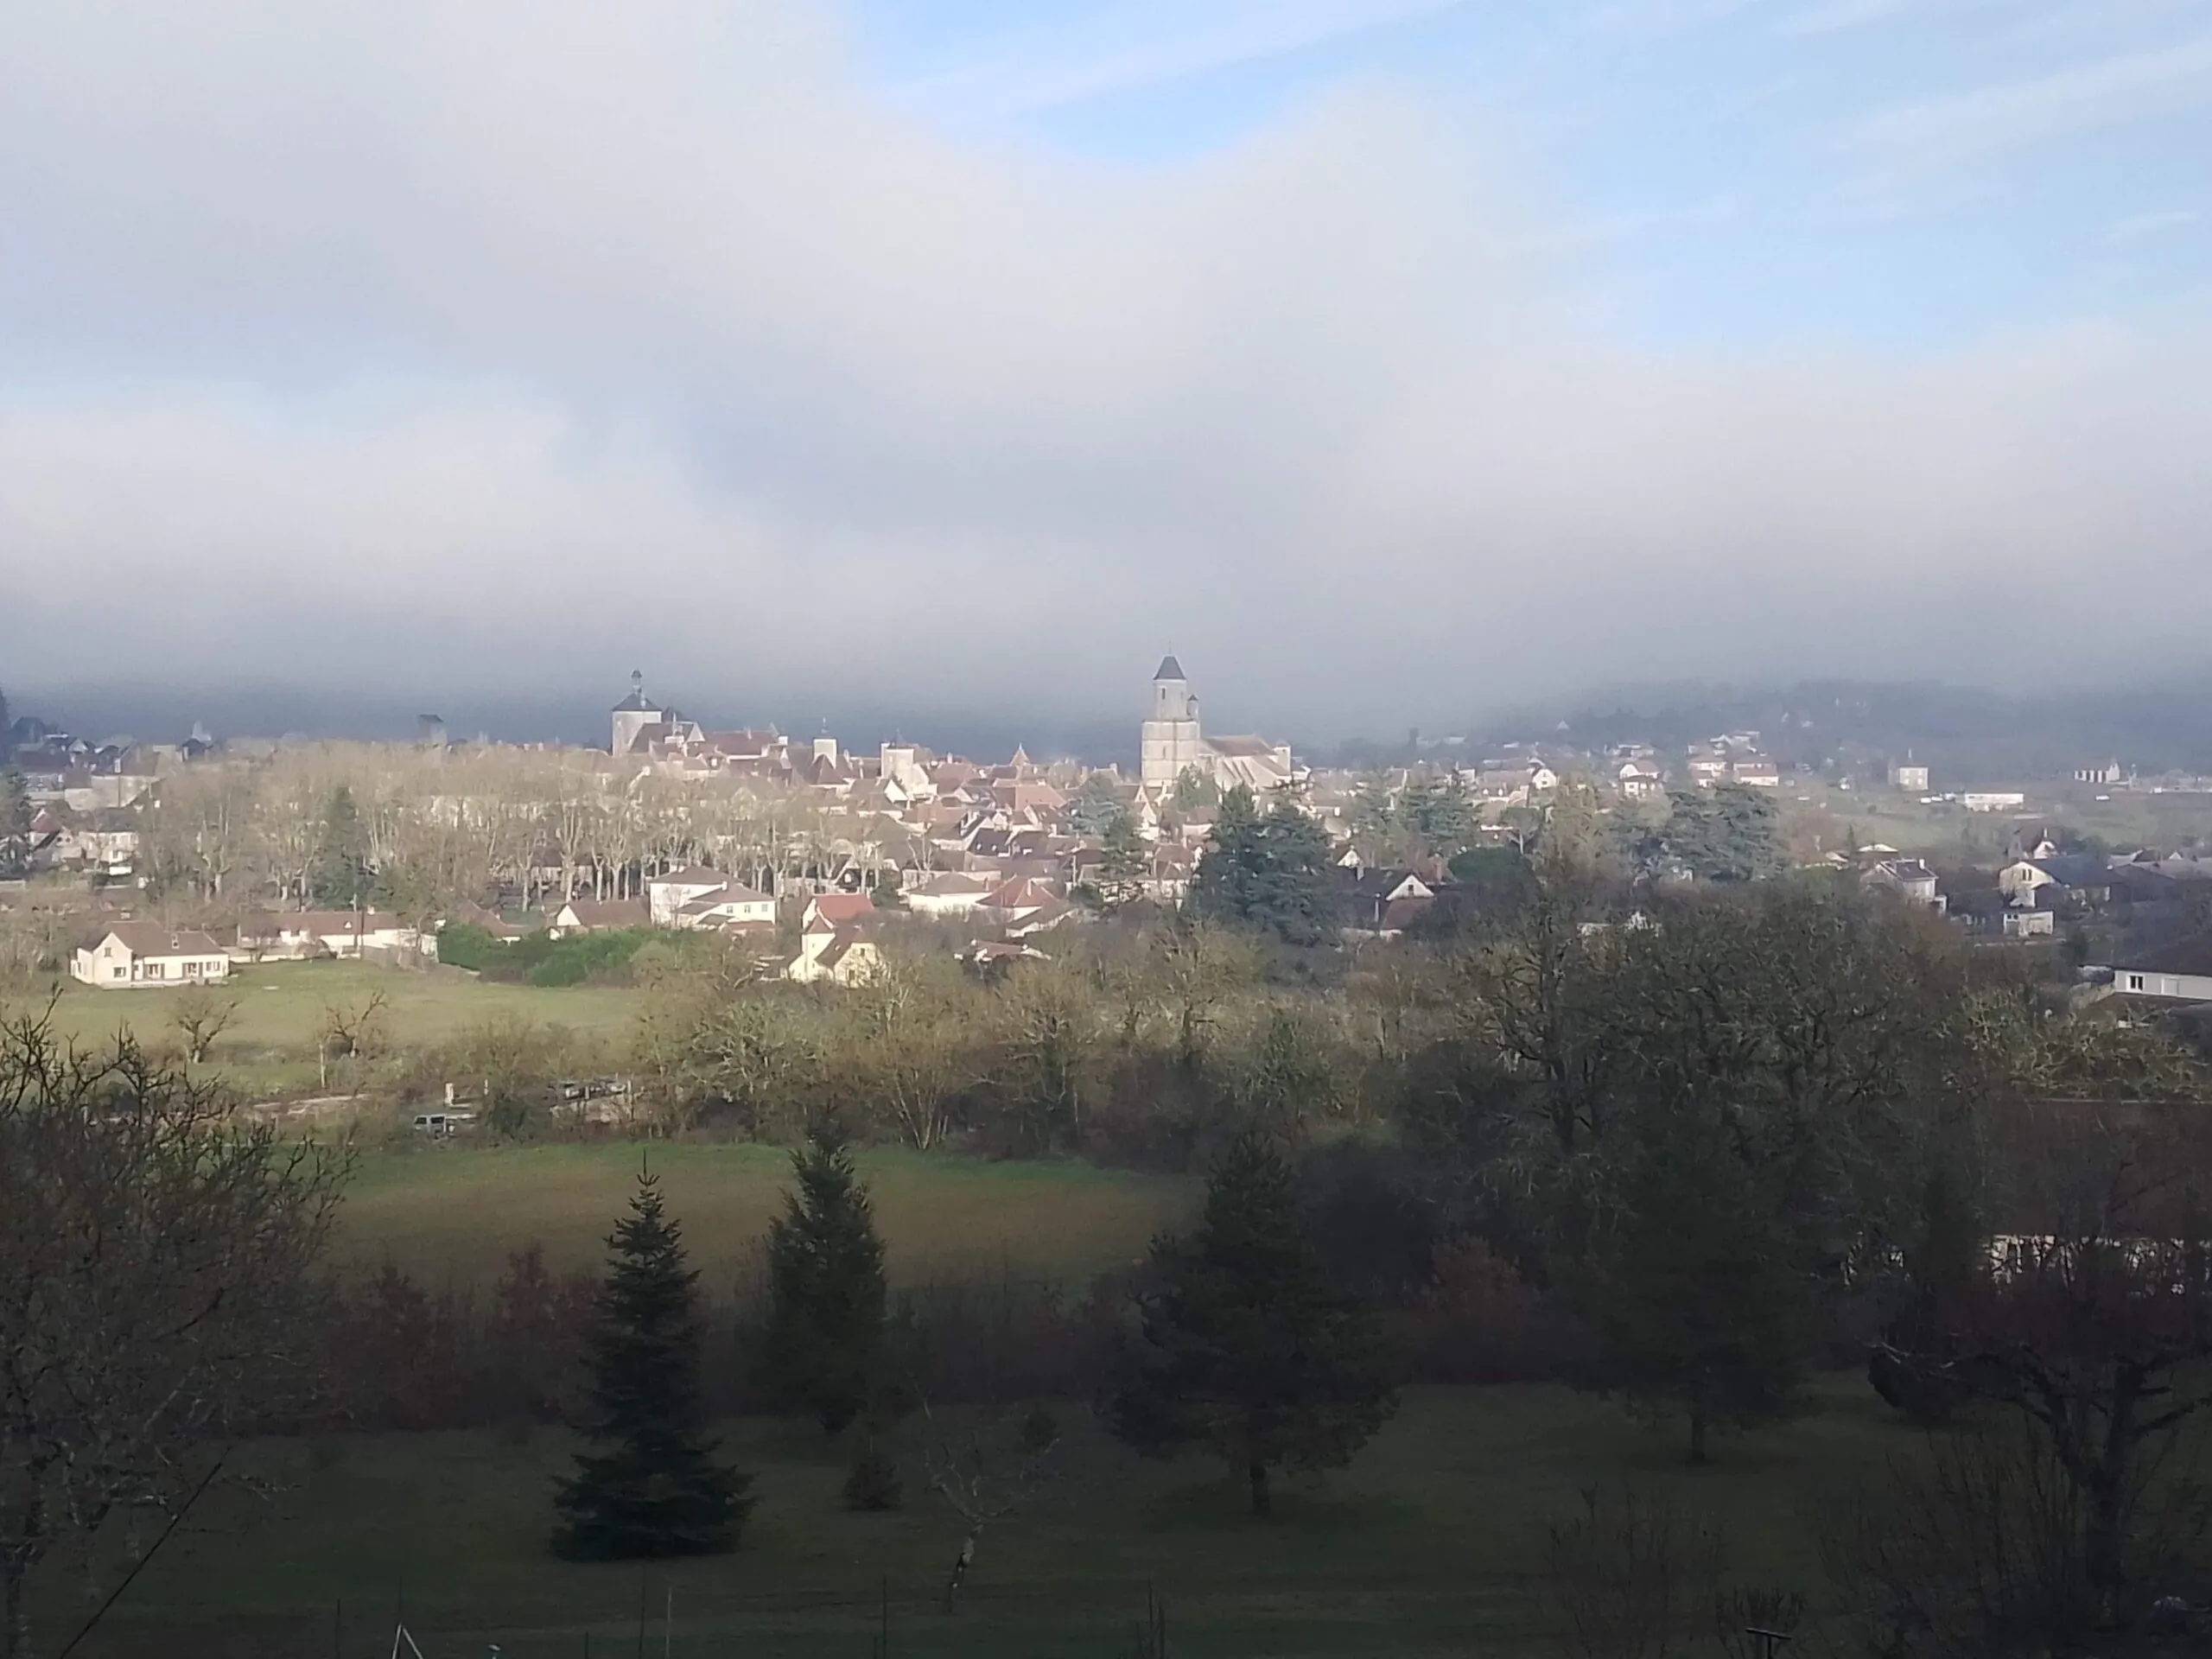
(985, 1474)
(353, 1025)
(154, 1293)
(199, 1014)
(914, 1064)
(1633, 1577)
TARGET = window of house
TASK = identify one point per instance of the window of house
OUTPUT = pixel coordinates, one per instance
(116, 973)
(2135, 981)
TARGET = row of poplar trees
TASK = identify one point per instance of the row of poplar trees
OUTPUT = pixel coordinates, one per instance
(1240, 1346)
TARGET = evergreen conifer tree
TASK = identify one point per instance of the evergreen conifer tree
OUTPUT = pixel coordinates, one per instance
(1123, 860)
(1266, 870)
(15, 818)
(1247, 1351)
(824, 1343)
(341, 878)
(651, 1487)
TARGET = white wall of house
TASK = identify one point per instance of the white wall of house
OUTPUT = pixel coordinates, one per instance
(666, 897)
(714, 911)
(2182, 987)
(110, 965)
(956, 903)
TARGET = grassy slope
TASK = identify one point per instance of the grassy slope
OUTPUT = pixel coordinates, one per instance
(452, 1215)
(1950, 833)
(1427, 1545)
(271, 1049)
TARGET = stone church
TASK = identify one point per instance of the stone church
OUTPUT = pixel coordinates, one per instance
(1172, 743)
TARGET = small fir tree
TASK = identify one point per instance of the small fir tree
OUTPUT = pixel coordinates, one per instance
(1097, 802)
(1194, 790)
(1439, 809)
(15, 818)
(341, 878)
(826, 1289)
(1122, 862)
(1248, 1353)
(651, 1487)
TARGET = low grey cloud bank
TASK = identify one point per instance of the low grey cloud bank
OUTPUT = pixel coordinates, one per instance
(552, 338)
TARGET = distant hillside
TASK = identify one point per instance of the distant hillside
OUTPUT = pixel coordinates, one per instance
(1970, 736)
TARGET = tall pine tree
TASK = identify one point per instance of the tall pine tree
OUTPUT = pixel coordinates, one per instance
(651, 1487)
(15, 816)
(1266, 870)
(1247, 1351)
(341, 878)
(1124, 861)
(824, 1344)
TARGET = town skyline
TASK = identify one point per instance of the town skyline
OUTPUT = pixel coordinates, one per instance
(1992, 730)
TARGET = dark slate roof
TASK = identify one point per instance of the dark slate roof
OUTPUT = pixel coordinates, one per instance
(2076, 870)
(2191, 957)
(637, 703)
(1170, 669)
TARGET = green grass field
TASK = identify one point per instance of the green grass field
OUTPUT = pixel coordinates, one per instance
(1949, 833)
(1430, 1544)
(450, 1216)
(269, 1052)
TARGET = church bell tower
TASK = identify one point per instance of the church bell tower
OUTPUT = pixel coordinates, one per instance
(1170, 740)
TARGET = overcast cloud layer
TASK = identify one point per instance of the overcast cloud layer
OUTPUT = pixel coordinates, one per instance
(511, 346)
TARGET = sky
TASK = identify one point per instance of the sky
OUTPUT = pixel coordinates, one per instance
(1389, 360)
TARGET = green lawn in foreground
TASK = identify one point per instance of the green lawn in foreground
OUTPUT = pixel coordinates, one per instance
(270, 1050)
(1427, 1545)
(450, 1216)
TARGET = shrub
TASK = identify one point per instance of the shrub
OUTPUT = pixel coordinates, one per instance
(590, 956)
(464, 945)
(1477, 1321)
(874, 1483)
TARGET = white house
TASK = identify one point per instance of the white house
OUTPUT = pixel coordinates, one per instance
(945, 895)
(838, 909)
(733, 906)
(668, 894)
(1512, 783)
(2179, 973)
(841, 958)
(597, 916)
(146, 953)
(290, 934)
(1911, 880)
(1016, 900)
(107, 840)
(2023, 881)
